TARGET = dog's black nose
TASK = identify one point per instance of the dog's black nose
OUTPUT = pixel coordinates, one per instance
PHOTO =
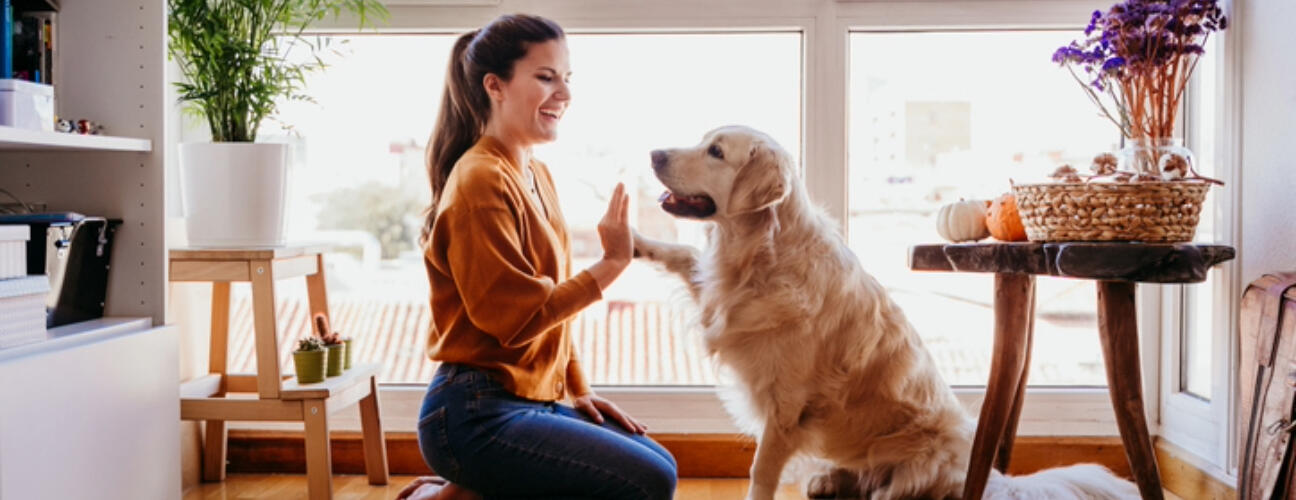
(658, 159)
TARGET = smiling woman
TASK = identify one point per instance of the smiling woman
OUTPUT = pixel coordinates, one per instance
(498, 258)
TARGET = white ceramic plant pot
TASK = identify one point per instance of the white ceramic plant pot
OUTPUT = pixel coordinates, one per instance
(233, 193)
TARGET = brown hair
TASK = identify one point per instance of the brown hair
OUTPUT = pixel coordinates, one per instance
(465, 107)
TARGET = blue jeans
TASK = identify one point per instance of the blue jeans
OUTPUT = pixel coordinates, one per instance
(477, 434)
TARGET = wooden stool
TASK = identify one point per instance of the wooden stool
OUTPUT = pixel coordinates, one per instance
(268, 394)
(1117, 266)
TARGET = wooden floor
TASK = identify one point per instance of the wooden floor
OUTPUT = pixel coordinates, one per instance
(288, 486)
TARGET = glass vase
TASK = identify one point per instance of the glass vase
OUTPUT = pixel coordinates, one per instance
(1148, 156)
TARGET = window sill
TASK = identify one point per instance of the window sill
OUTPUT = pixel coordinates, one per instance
(1082, 411)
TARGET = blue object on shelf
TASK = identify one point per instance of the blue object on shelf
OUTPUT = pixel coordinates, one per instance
(6, 40)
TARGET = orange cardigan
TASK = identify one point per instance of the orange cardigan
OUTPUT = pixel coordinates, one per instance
(500, 270)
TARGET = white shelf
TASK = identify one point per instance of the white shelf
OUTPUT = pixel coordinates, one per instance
(75, 334)
(17, 139)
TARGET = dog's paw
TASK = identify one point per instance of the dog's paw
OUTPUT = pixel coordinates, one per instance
(838, 483)
(644, 248)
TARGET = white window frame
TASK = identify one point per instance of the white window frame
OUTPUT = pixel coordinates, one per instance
(825, 26)
(1206, 429)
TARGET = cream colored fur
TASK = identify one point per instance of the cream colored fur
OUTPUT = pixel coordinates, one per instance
(826, 364)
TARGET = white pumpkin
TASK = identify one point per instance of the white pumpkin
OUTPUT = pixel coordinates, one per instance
(963, 221)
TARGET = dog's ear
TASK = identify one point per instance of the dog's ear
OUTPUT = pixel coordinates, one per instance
(761, 183)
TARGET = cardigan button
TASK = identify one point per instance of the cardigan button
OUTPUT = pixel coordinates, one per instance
(559, 387)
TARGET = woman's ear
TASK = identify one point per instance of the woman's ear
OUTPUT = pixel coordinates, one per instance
(494, 86)
(760, 183)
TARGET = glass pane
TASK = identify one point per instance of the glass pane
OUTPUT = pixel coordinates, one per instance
(935, 117)
(1196, 348)
(1199, 299)
(359, 178)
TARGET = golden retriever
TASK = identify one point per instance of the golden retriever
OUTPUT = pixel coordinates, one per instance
(826, 365)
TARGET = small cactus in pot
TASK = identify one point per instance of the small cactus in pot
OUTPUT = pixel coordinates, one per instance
(309, 360)
(337, 346)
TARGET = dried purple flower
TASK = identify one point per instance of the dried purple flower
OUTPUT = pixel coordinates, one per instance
(1127, 51)
(1093, 22)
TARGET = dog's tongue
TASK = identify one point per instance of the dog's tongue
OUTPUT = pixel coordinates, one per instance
(666, 196)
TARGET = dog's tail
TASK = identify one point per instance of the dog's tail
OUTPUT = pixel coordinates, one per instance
(1084, 481)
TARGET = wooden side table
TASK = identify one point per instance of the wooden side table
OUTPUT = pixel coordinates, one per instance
(1117, 267)
(270, 395)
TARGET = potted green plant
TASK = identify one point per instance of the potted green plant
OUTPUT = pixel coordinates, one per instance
(234, 59)
(336, 354)
(309, 360)
(333, 343)
(350, 351)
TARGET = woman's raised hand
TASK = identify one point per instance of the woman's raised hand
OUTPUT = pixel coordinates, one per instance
(618, 242)
(614, 229)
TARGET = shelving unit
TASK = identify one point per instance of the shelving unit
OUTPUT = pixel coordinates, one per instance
(75, 335)
(96, 401)
(16, 139)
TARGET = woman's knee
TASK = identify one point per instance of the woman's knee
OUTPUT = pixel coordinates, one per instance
(659, 478)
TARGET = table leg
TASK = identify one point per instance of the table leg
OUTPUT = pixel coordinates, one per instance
(220, 320)
(214, 449)
(319, 462)
(1012, 299)
(265, 329)
(375, 446)
(1118, 332)
(1010, 430)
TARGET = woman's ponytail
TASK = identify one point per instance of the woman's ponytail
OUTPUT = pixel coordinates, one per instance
(465, 107)
(458, 125)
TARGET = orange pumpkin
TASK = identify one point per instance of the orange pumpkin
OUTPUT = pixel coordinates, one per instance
(1004, 221)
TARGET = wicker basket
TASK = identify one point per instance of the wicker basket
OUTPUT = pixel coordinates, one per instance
(1101, 211)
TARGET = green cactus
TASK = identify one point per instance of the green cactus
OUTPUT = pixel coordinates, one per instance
(310, 344)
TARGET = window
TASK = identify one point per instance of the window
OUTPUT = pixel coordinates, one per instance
(1202, 117)
(359, 177)
(938, 116)
(970, 94)
(1199, 320)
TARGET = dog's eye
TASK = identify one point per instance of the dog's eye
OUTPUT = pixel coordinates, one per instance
(715, 152)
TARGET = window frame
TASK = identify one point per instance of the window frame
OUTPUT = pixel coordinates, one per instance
(825, 27)
(1206, 428)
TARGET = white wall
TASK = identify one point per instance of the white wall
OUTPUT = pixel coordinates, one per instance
(1268, 136)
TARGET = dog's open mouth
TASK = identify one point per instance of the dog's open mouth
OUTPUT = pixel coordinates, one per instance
(698, 206)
